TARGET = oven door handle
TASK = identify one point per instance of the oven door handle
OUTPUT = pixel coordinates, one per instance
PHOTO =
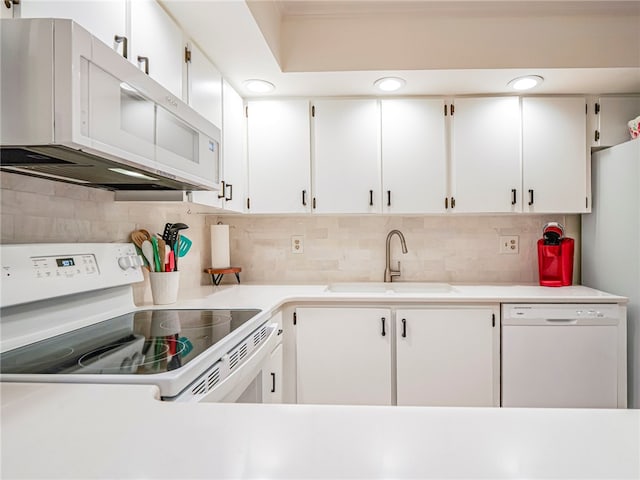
(229, 389)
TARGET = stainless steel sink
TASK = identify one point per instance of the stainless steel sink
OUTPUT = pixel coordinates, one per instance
(390, 288)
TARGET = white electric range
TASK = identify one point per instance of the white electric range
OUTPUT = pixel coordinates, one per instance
(67, 315)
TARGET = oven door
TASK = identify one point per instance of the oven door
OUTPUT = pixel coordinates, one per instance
(244, 383)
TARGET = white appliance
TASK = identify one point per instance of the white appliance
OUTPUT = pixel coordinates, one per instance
(75, 110)
(67, 315)
(563, 355)
(611, 240)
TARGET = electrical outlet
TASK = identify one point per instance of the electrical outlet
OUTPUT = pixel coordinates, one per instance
(509, 244)
(297, 244)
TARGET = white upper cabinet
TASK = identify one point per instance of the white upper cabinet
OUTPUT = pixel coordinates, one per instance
(346, 162)
(554, 155)
(485, 152)
(279, 163)
(233, 149)
(414, 162)
(156, 44)
(204, 85)
(102, 18)
(613, 115)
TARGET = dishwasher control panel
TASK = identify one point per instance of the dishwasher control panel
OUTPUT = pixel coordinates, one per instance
(541, 313)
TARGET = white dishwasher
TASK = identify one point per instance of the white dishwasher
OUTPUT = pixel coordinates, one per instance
(563, 355)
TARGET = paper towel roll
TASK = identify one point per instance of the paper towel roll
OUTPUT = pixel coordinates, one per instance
(220, 257)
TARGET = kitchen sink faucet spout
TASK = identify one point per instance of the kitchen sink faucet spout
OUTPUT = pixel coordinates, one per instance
(389, 273)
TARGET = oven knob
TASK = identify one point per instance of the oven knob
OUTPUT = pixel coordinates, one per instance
(125, 263)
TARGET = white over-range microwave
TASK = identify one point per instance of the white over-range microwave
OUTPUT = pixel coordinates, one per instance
(75, 110)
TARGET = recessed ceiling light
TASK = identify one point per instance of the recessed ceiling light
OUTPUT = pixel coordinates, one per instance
(525, 83)
(389, 84)
(259, 86)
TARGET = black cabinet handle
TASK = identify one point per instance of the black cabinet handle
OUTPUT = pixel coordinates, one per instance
(230, 197)
(144, 60)
(304, 198)
(224, 191)
(453, 202)
(383, 331)
(388, 198)
(513, 196)
(125, 44)
(404, 327)
(273, 382)
(530, 197)
(371, 198)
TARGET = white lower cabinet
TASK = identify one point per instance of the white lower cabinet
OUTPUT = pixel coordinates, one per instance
(344, 356)
(272, 377)
(448, 356)
(444, 356)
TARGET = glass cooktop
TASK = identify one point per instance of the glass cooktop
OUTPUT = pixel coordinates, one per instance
(141, 343)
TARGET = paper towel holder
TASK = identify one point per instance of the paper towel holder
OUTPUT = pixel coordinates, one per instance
(218, 273)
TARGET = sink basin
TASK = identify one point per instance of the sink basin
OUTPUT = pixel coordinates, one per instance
(382, 287)
(420, 287)
(363, 287)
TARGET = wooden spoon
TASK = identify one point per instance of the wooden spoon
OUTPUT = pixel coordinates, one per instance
(137, 237)
(162, 251)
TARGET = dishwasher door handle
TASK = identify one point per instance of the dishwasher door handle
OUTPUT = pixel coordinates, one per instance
(562, 321)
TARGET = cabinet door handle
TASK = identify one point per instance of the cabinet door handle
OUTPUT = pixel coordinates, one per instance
(224, 191)
(371, 198)
(384, 333)
(144, 60)
(530, 197)
(273, 382)
(304, 198)
(513, 196)
(404, 328)
(230, 197)
(388, 198)
(125, 44)
(453, 202)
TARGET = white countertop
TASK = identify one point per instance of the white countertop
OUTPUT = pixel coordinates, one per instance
(270, 297)
(110, 431)
(117, 431)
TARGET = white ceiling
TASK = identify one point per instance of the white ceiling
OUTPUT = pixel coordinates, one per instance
(333, 48)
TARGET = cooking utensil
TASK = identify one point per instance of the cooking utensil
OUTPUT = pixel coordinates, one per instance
(162, 248)
(147, 251)
(156, 256)
(170, 233)
(185, 245)
(137, 237)
(172, 262)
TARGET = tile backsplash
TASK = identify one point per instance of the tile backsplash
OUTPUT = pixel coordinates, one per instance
(446, 248)
(39, 211)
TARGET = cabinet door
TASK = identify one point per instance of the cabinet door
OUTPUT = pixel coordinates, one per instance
(485, 151)
(233, 149)
(204, 86)
(155, 36)
(279, 156)
(554, 155)
(448, 356)
(102, 18)
(346, 156)
(344, 356)
(613, 117)
(272, 377)
(414, 168)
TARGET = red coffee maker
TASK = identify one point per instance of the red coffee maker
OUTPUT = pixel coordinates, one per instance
(555, 256)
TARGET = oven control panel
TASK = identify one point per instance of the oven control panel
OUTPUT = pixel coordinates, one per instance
(32, 272)
(67, 266)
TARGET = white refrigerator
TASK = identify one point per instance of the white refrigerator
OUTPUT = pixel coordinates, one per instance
(611, 241)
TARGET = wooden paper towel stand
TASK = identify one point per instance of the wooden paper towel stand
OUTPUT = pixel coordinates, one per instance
(218, 273)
